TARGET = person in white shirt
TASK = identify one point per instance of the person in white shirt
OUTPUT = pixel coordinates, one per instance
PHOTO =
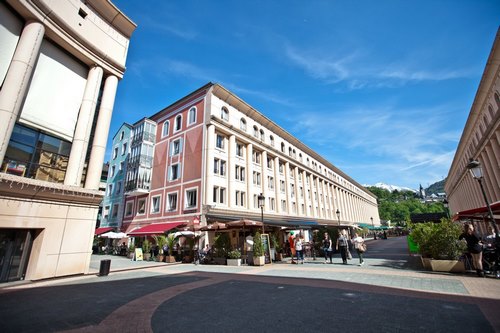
(299, 249)
(359, 242)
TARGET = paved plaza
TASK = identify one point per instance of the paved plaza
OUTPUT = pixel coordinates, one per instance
(390, 293)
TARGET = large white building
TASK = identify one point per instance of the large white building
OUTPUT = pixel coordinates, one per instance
(60, 63)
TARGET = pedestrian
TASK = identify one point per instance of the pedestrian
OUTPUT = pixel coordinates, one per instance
(475, 247)
(328, 248)
(342, 244)
(292, 246)
(299, 249)
(359, 245)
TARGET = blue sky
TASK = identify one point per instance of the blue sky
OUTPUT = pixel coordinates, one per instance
(381, 89)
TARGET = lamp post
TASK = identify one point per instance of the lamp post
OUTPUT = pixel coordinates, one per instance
(338, 216)
(373, 227)
(446, 205)
(477, 173)
(261, 200)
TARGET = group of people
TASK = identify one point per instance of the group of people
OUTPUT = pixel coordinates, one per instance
(296, 244)
(476, 245)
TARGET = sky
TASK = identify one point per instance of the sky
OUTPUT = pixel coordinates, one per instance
(381, 89)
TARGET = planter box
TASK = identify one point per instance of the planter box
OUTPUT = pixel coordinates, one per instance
(453, 266)
(426, 262)
(279, 256)
(234, 262)
(170, 259)
(219, 261)
(259, 261)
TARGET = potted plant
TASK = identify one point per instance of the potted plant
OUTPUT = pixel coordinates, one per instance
(440, 244)
(160, 241)
(258, 250)
(234, 258)
(221, 246)
(170, 242)
(131, 251)
(278, 255)
(146, 248)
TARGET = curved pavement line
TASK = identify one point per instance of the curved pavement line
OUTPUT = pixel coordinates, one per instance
(142, 309)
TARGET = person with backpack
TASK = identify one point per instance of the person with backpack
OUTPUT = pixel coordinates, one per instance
(342, 245)
(360, 246)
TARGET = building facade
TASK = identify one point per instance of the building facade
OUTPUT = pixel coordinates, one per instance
(112, 205)
(214, 156)
(480, 141)
(60, 63)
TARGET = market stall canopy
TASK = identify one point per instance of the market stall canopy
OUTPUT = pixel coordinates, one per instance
(214, 226)
(244, 223)
(480, 213)
(100, 231)
(185, 233)
(155, 229)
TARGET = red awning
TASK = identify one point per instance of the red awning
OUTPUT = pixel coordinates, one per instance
(478, 213)
(155, 229)
(100, 231)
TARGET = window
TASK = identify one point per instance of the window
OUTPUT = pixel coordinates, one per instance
(292, 190)
(120, 167)
(114, 211)
(256, 178)
(112, 171)
(219, 141)
(283, 205)
(219, 195)
(141, 207)
(178, 123)
(239, 149)
(243, 124)
(272, 205)
(240, 198)
(165, 128)
(270, 182)
(219, 167)
(172, 202)
(122, 134)
(224, 113)
(262, 136)
(281, 168)
(192, 116)
(176, 147)
(240, 173)
(255, 131)
(256, 157)
(269, 162)
(115, 152)
(271, 140)
(191, 198)
(129, 207)
(118, 187)
(174, 172)
(106, 212)
(110, 190)
(282, 186)
(155, 204)
(124, 148)
(282, 147)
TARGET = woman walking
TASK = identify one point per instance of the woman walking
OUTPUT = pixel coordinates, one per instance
(342, 244)
(327, 248)
(359, 245)
(475, 248)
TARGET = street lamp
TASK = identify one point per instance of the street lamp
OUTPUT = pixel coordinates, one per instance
(261, 200)
(477, 173)
(338, 215)
(373, 227)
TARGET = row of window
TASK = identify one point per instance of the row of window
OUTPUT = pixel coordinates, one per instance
(191, 119)
(191, 202)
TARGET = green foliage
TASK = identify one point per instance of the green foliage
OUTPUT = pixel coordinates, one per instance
(170, 241)
(160, 240)
(222, 245)
(275, 243)
(258, 246)
(131, 247)
(146, 246)
(438, 240)
(234, 254)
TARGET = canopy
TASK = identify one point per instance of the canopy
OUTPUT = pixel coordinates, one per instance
(185, 233)
(479, 213)
(100, 231)
(114, 235)
(155, 229)
(214, 226)
(244, 223)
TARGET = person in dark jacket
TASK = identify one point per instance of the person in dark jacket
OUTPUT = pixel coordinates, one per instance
(474, 246)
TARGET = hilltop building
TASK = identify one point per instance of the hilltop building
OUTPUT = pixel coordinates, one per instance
(209, 156)
(60, 63)
(480, 141)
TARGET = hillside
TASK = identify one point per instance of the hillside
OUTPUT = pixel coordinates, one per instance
(436, 188)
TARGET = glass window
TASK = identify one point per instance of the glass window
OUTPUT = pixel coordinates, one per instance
(155, 204)
(129, 208)
(165, 129)
(243, 124)
(239, 149)
(141, 207)
(191, 198)
(174, 172)
(192, 115)
(178, 123)
(224, 114)
(219, 142)
(172, 201)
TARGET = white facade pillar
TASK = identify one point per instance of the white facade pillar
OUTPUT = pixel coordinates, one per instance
(17, 80)
(277, 183)
(83, 128)
(264, 182)
(231, 172)
(101, 133)
(209, 172)
(249, 177)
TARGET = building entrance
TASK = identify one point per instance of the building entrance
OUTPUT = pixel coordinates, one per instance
(15, 248)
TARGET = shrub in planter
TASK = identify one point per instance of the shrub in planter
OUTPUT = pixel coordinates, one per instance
(222, 244)
(258, 250)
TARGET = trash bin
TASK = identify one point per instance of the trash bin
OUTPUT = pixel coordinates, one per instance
(104, 268)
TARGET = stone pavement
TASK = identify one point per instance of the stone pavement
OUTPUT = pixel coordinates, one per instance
(390, 293)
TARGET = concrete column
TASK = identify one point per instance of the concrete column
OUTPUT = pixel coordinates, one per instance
(288, 188)
(209, 172)
(101, 133)
(80, 144)
(249, 179)
(277, 182)
(231, 176)
(17, 80)
(263, 181)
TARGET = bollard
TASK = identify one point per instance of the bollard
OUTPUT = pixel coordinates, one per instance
(104, 268)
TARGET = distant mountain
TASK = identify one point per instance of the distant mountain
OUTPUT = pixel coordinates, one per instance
(437, 187)
(392, 188)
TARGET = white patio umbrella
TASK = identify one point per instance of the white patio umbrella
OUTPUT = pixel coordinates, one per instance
(114, 235)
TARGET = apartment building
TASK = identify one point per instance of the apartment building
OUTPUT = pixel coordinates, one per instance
(60, 63)
(480, 141)
(215, 155)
